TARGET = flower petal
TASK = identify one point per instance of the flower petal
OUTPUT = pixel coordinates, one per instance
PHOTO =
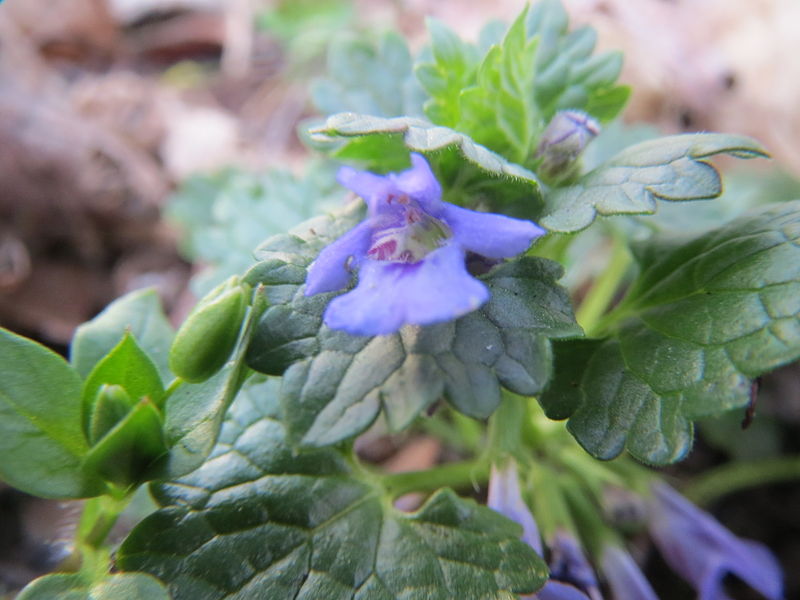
(374, 189)
(488, 234)
(625, 578)
(569, 564)
(420, 183)
(506, 498)
(390, 295)
(703, 551)
(556, 590)
(329, 271)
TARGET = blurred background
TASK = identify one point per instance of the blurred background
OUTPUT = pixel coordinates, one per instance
(135, 136)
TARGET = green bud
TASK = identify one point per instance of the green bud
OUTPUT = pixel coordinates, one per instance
(131, 449)
(111, 405)
(207, 337)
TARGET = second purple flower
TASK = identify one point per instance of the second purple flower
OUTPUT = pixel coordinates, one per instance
(410, 254)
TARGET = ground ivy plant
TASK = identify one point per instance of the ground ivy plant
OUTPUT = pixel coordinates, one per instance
(424, 296)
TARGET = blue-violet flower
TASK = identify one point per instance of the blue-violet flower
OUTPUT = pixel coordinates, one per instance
(624, 577)
(703, 551)
(410, 254)
(505, 497)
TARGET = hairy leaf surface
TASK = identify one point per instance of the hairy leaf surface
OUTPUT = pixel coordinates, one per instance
(369, 78)
(702, 320)
(422, 136)
(670, 168)
(260, 521)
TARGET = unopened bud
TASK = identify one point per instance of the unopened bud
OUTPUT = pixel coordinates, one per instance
(207, 337)
(563, 141)
(111, 405)
(131, 448)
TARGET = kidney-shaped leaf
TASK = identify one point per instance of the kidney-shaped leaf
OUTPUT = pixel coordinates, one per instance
(703, 319)
(260, 521)
(668, 168)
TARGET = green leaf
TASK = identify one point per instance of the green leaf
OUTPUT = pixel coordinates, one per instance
(421, 136)
(120, 586)
(139, 313)
(670, 168)
(369, 78)
(335, 385)
(702, 320)
(304, 27)
(41, 437)
(225, 216)
(444, 72)
(568, 74)
(499, 112)
(127, 366)
(128, 452)
(260, 521)
(504, 98)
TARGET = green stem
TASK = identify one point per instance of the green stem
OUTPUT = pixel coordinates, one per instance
(98, 518)
(506, 425)
(454, 475)
(602, 293)
(176, 383)
(733, 477)
(91, 557)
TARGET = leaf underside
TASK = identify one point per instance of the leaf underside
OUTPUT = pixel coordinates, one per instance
(670, 168)
(422, 136)
(702, 320)
(258, 521)
(335, 384)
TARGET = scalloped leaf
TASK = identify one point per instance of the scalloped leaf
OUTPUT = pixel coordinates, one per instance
(668, 168)
(223, 217)
(261, 521)
(369, 77)
(568, 73)
(502, 94)
(703, 319)
(335, 385)
(419, 135)
(499, 112)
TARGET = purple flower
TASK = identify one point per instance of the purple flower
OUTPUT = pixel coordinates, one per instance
(625, 578)
(563, 141)
(505, 498)
(410, 254)
(703, 551)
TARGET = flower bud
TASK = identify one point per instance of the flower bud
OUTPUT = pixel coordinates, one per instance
(562, 143)
(207, 337)
(129, 450)
(111, 405)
